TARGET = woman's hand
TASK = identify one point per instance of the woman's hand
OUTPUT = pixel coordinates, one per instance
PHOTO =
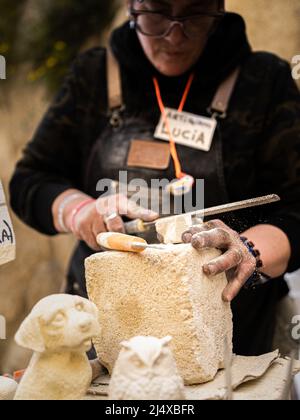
(104, 215)
(236, 260)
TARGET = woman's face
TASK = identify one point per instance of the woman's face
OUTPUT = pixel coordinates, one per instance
(176, 53)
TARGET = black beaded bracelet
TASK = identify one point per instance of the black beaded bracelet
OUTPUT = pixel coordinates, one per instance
(257, 277)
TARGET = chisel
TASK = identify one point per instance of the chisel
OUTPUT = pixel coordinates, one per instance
(126, 243)
(139, 226)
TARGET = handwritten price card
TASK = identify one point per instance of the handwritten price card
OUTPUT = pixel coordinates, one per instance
(7, 236)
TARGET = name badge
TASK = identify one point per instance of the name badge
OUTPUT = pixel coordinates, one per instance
(7, 236)
(187, 129)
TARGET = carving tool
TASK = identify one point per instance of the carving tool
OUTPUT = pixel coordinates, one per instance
(126, 243)
(139, 226)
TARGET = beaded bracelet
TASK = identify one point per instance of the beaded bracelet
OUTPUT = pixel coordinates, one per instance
(257, 277)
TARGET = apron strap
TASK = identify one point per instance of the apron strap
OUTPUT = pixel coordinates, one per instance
(218, 108)
(114, 89)
(115, 99)
(220, 103)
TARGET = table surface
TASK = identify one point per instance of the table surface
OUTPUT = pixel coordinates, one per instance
(270, 387)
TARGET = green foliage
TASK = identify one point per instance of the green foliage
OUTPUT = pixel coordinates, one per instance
(47, 34)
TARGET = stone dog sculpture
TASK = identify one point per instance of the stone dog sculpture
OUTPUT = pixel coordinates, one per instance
(59, 330)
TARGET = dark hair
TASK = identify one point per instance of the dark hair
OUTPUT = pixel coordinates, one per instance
(221, 3)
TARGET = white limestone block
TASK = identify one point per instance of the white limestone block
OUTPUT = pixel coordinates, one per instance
(160, 293)
(171, 229)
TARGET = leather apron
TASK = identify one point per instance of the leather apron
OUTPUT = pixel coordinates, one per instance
(109, 156)
(253, 311)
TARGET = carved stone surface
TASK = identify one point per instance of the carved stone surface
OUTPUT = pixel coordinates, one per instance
(170, 230)
(146, 370)
(59, 330)
(160, 293)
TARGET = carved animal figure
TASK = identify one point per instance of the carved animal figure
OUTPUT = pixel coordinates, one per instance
(146, 370)
(59, 330)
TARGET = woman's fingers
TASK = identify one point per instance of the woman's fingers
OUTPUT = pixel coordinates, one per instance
(87, 225)
(232, 289)
(215, 238)
(230, 259)
(93, 244)
(109, 205)
(90, 239)
(98, 227)
(187, 236)
(133, 211)
(85, 231)
(121, 205)
(114, 223)
(213, 224)
(236, 260)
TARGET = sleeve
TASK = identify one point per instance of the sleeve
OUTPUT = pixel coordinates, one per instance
(279, 159)
(50, 162)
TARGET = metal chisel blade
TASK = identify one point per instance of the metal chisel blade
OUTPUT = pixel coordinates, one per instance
(226, 208)
(145, 246)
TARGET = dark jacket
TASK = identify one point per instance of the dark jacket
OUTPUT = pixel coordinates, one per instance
(260, 138)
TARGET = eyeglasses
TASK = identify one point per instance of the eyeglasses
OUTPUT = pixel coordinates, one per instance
(159, 25)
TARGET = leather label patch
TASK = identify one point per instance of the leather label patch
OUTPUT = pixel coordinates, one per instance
(149, 154)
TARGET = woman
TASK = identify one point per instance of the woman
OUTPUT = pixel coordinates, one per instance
(168, 49)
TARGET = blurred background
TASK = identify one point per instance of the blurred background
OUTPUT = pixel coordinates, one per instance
(39, 39)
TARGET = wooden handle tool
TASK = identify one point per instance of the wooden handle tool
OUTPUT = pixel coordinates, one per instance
(125, 243)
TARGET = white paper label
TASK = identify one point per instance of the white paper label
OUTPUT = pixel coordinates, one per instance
(7, 236)
(187, 129)
(2, 196)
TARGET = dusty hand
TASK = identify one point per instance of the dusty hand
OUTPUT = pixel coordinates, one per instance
(105, 214)
(236, 260)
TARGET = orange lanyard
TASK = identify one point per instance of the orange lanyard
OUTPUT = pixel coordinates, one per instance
(174, 154)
